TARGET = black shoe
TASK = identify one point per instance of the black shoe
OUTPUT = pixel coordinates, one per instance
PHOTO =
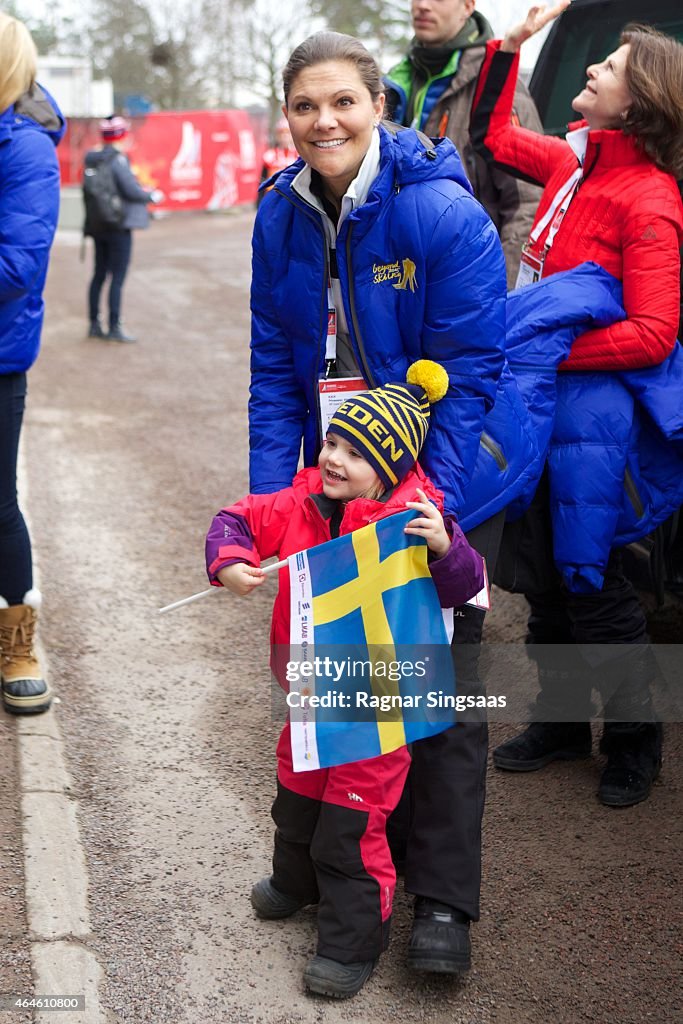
(543, 742)
(95, 330)
(271, 904)
(440, 938)
(117, 333)
(634, 760)
(330, 978)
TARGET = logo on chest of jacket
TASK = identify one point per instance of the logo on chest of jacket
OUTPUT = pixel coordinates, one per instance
(401, 273)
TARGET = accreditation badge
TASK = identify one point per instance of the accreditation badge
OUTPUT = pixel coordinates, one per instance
(332, 392)
(530, 268)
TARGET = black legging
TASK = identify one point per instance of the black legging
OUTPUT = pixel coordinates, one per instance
(112, 257)
(16, 574)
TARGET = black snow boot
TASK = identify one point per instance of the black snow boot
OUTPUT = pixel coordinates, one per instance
(440, 938)
(328, 977)
(634, 760)
(271, 904)
(543, 742)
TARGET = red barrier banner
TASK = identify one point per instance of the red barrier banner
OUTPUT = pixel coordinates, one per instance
(200, 159)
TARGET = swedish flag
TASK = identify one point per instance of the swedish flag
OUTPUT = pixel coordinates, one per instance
(368, 634)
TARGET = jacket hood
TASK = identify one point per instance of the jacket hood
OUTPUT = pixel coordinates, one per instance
(38, 106)
(485, 32)
(417, 158)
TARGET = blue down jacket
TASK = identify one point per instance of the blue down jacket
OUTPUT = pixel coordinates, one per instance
(29, 205)
(419, 213)
(613, 441)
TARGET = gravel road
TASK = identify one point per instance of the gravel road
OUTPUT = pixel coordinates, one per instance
(130, 449)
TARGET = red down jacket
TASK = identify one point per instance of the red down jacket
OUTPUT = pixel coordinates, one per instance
(291, 520)
(626, 216)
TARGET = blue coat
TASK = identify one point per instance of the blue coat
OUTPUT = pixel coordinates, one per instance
(613, 441)
(29, 206)
(419, 209)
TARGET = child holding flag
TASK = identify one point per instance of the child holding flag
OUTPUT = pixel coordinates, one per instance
(330, 843)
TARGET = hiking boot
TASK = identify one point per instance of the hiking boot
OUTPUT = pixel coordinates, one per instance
(24, 691)
(543, 742)
(271, 904)
(95, 330)
(117, 333)
(440, 938)
(340, 981)
(634, 760)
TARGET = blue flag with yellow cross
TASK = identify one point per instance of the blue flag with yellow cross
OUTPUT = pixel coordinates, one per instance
(370, 666)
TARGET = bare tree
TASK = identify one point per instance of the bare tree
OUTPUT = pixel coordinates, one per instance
(271, 33)
(383, 25)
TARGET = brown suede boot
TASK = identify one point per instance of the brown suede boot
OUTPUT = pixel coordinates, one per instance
(24, 691)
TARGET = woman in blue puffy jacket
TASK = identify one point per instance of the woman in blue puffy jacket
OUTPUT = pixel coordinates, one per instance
(30, 128)
(370, 252)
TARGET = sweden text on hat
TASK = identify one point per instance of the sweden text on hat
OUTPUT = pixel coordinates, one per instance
(388, 425)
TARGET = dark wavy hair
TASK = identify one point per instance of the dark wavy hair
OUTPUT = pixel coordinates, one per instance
(654, 76)
(325, 46)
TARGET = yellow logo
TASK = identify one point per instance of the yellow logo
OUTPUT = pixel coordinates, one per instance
(402, 272)
(408, 278)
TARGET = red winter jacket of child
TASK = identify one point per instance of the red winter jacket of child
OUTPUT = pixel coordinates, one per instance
(298, 517)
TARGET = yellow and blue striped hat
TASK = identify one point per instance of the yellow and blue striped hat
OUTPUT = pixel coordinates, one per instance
(388, 425)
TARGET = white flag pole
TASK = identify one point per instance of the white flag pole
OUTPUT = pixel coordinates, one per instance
(214, 590)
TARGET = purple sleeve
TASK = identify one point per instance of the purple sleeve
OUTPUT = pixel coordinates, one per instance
(459, 575)
(229, 540)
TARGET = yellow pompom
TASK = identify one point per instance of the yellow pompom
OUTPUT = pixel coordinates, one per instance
(431, 376)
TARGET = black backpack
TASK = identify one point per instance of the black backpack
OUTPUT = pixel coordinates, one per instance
(104, 209)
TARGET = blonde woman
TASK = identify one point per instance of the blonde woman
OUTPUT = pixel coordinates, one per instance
(30, 128)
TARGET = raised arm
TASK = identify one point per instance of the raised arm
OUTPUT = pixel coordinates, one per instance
(502, 143)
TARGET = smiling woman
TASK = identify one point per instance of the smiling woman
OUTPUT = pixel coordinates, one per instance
(605, 99)
(332, 116)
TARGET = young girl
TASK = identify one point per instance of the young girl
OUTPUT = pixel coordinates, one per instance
(330, 844)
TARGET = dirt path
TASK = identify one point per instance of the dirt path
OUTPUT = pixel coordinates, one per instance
(130, 451)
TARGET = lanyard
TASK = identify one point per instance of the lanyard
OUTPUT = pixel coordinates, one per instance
(554, 215)
(331, 341)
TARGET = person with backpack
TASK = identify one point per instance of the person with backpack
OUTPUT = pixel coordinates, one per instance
(115, 205)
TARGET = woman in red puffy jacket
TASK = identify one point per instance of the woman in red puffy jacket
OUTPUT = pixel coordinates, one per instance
(611, 197)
